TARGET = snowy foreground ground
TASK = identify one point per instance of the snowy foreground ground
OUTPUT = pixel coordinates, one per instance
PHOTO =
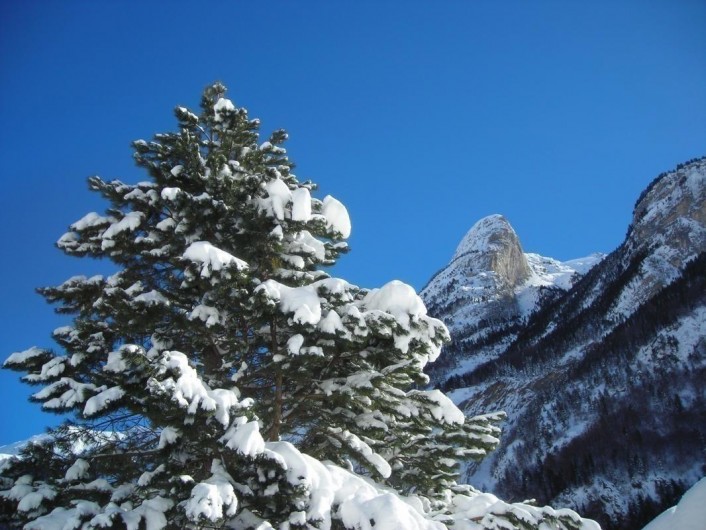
(689, 514)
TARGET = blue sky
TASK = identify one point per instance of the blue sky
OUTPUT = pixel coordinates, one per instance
(422, 117)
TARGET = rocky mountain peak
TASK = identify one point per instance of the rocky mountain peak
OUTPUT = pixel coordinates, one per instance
(492, 245)
(490, 281)
(673, 206)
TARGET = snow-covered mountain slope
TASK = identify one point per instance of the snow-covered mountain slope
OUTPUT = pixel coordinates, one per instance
(79, 445)
(10, 450)
(6, 451)
(600, 371)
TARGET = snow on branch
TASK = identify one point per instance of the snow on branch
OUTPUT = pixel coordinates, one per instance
(211, 258)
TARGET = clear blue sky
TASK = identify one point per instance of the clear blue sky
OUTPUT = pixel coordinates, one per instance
(422, 117)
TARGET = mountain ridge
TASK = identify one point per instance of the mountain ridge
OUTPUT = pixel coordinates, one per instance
(603, 348)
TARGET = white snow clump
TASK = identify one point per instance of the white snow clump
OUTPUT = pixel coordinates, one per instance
(211, 258)
(336, 215)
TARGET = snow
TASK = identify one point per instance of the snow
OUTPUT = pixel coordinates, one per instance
(336, 286)
(19, 358)
(277, 233)
(688, 514)
(294, 344)
(585, 264)
(152, 512)
(278, 197)
(152, 298)
(696, 182)
(402, 302)
(190, 115)
(337, 218)
(305, 470)
(221, 106)
(115, 362)
(208, 315)
(668, 196)
(482, 235)
(130, 222)
(333, 493)
(168, 436)
(33, 500)
(303, 302)
(77, 471)
(63, 519)
(331, 323)
(100, 401)
(89, 220)
(548, 272)
(207, 501)
(244, 437)
(396, 298)
(52, 368)
(146, 477)
(170, 194)
(211, 258)
(367, 506)
(444, 409)
(363, 449)
(176, 171)
(191, 393)
(304, 243)
(687, 332)
(301, 205)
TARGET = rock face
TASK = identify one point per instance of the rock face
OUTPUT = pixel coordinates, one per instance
(492, 245)
(677, 201)
(601, 370)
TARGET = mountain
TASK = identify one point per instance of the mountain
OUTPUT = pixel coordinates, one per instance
(599, 363)
(10, 450)
(490, 288)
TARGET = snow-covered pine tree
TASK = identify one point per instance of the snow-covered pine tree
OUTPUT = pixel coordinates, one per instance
(220, 330)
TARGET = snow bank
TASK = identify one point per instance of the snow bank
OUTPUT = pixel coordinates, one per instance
(689, 514)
